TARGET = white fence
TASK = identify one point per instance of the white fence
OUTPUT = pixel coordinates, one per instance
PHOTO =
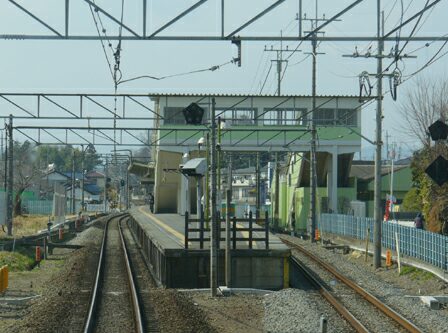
(45, 207)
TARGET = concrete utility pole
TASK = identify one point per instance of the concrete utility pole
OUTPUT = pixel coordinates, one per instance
(279, 62)
(277, 189)
(215, 226)
(258, 181)
(313, 163)
(73, 190)
(379, 118)
(228, 204)
(82, 177)
(10, 182)
(106, 175)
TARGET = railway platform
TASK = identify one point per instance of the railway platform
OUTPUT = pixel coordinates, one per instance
(258, 258)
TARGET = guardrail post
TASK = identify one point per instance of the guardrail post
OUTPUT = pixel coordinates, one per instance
(266, 228)
(186, 231)
(250, 230)
(201, 230)
(234, 232)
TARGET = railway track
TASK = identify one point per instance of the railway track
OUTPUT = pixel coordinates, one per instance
(114, 304)
(363, 311)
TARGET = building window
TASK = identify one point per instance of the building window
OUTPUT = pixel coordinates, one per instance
(173, 116)
(347, 117)
(238, 116)
(336, 117)
(284, 116)
(324, 116)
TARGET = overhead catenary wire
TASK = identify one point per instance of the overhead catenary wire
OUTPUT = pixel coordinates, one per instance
(266, 78)
(102, 43)
(158, 78)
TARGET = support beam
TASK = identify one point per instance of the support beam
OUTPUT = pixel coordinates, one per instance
(252, 20)
(36, 18)
(98, 8)
(333, 18)
(413, 17)
(177, 18)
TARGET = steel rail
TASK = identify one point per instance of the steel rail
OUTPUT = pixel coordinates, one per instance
(338, 306)
(399, 319)
(134, 297)
(95, 295)
(90, 319)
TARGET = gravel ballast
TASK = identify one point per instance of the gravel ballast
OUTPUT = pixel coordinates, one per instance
(299, 311)
(396, 291)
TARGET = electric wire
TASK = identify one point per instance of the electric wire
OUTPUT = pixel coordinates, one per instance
(397, 54)
(212, 69)
(102, 43)
(257, 70)
(266, 78)
(433, 59)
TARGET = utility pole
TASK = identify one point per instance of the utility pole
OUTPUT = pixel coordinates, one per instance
(279, 62)
(277, 189)
(73, 190)
(10, 182)
(258, 198)
(313, 162)
(228, 261)
(395, 75)
(379, 143)
(82, 178)
(214, 234)
(106, 175)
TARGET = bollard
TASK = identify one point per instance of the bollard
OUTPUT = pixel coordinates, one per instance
(317, 235)
(61, 233)
(388, 258)
(38, 256)
(323, 324)
(4, 279)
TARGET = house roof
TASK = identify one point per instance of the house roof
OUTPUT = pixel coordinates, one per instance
(92, 189)
(55, 171)
(242, 95)
(95, 174)
(366, 169)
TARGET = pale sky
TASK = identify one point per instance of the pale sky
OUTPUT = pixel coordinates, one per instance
(80, 66)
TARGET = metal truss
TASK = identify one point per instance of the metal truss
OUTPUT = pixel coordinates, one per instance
(156, 34)
(77, 106)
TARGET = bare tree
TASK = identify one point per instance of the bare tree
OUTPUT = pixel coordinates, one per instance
(26, 172)
(424, 103)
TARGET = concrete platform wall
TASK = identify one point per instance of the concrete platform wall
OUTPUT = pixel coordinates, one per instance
(180, 268)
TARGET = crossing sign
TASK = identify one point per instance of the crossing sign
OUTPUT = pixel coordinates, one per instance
(438, 170)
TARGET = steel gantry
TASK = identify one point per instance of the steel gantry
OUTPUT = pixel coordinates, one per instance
(142, 32)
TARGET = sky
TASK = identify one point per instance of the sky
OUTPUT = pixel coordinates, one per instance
(81, 66)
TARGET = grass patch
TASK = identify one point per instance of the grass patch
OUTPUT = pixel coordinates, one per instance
(16, 261)
(416, 274)
(27, 225)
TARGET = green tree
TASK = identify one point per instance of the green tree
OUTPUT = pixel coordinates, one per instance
(63, 158)
(432, 198)
(412, 201)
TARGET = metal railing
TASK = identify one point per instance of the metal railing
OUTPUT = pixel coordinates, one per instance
(245, 226)
(420, 244)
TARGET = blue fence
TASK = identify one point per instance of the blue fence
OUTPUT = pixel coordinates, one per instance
(426, 246)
